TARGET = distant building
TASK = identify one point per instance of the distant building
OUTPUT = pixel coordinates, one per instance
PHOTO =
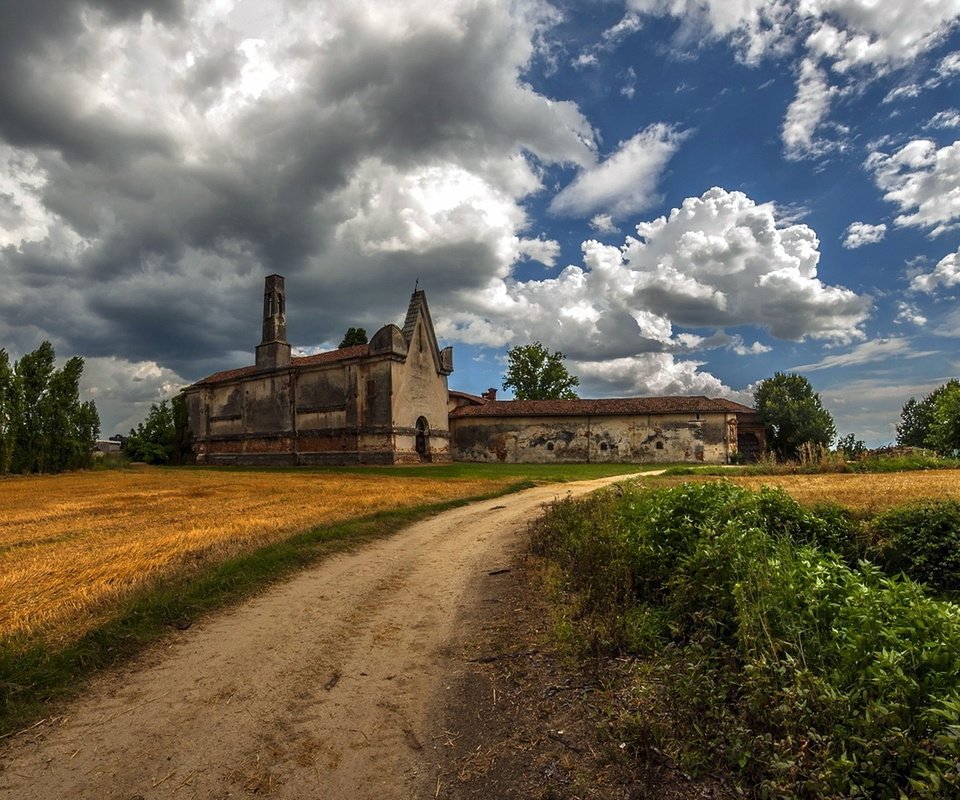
(105, 447)
(387, 402)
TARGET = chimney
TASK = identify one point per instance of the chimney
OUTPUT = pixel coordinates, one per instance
(274, 350)
(490, 394)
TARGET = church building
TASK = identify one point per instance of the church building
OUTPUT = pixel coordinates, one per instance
(379, 403)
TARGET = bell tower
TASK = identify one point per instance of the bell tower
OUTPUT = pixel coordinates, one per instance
(274, 349)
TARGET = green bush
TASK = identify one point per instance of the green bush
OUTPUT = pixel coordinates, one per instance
(921, 540)
(807, 677)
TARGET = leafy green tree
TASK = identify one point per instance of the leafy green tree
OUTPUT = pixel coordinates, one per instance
(793, 413)
(155, 439)
(8, 411)
(354, 336)
(851, 447)
(536, 374)
(43, 425)
(33, 372)
(181, 430)
(922, 425)
(944, 434)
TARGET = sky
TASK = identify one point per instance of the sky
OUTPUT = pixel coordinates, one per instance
(682, 196)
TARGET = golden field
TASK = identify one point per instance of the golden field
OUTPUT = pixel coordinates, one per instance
(72, 545)
(864, 493)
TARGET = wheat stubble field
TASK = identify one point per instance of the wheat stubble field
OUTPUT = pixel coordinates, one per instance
(864, 493)
(72, 546)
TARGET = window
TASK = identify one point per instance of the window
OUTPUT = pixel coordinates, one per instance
(604, 446)
(549, 445)
(659, 445)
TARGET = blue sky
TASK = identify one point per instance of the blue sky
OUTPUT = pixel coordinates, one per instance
(684, 197)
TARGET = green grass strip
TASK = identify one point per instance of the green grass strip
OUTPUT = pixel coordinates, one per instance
(36, 678)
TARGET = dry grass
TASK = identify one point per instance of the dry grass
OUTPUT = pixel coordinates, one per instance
(72, 545)
(864, 493)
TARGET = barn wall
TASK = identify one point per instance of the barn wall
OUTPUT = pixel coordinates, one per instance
(617, 439)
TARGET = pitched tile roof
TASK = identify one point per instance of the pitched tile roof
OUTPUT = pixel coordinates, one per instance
(329, 357)
(474, 399)
(731, 405)
(603, 407)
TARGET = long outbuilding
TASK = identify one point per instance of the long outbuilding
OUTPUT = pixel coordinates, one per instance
(625, 430)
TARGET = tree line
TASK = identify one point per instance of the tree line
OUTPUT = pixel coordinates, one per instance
(43, 425)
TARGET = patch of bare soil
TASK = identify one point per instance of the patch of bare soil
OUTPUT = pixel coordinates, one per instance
(525, 721)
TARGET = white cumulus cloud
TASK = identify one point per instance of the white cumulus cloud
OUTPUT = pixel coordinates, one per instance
(807, 111)
(946, 274)
(719, 260)
(840, 44)
(859, 234)
(923, 181)
(626, 182)
(950, 118)
(909, 313)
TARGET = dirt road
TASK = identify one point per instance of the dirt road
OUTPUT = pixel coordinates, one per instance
(323, 687)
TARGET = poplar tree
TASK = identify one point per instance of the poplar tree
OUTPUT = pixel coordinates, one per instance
(43, 425)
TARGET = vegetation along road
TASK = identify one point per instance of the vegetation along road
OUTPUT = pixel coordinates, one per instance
(329, 685)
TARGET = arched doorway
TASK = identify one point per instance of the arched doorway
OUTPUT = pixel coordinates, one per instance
(423, 439)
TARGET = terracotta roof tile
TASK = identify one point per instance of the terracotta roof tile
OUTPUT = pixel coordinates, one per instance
(731, 405)
(475, 399)
(329, 357)
(602, 407)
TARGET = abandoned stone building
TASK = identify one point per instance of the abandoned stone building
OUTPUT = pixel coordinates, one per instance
(379, 403)
(388, 402)
(627, 430)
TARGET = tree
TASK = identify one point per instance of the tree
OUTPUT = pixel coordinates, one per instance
(536, 374)
(793, 413)
(8, 415)
(43, 425)
(944, 435)
(927, 422)
(851, 447)
(354, 336)
(155, 439)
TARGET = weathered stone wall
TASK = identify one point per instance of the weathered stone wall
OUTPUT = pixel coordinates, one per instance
(636, 440)
(419, 391)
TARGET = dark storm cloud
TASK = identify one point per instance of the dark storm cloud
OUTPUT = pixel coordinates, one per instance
(182, 203)
(35, 109)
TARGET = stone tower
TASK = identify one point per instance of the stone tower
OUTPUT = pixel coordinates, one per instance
(274, 349)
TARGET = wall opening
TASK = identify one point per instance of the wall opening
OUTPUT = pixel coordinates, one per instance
(749, 447)
(423, 439)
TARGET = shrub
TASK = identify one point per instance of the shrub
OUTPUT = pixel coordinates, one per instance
(809, 678)
(921, 540)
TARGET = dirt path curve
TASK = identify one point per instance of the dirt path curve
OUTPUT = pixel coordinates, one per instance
(320, 688)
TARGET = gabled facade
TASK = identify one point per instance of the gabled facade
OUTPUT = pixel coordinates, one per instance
(380, 403)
